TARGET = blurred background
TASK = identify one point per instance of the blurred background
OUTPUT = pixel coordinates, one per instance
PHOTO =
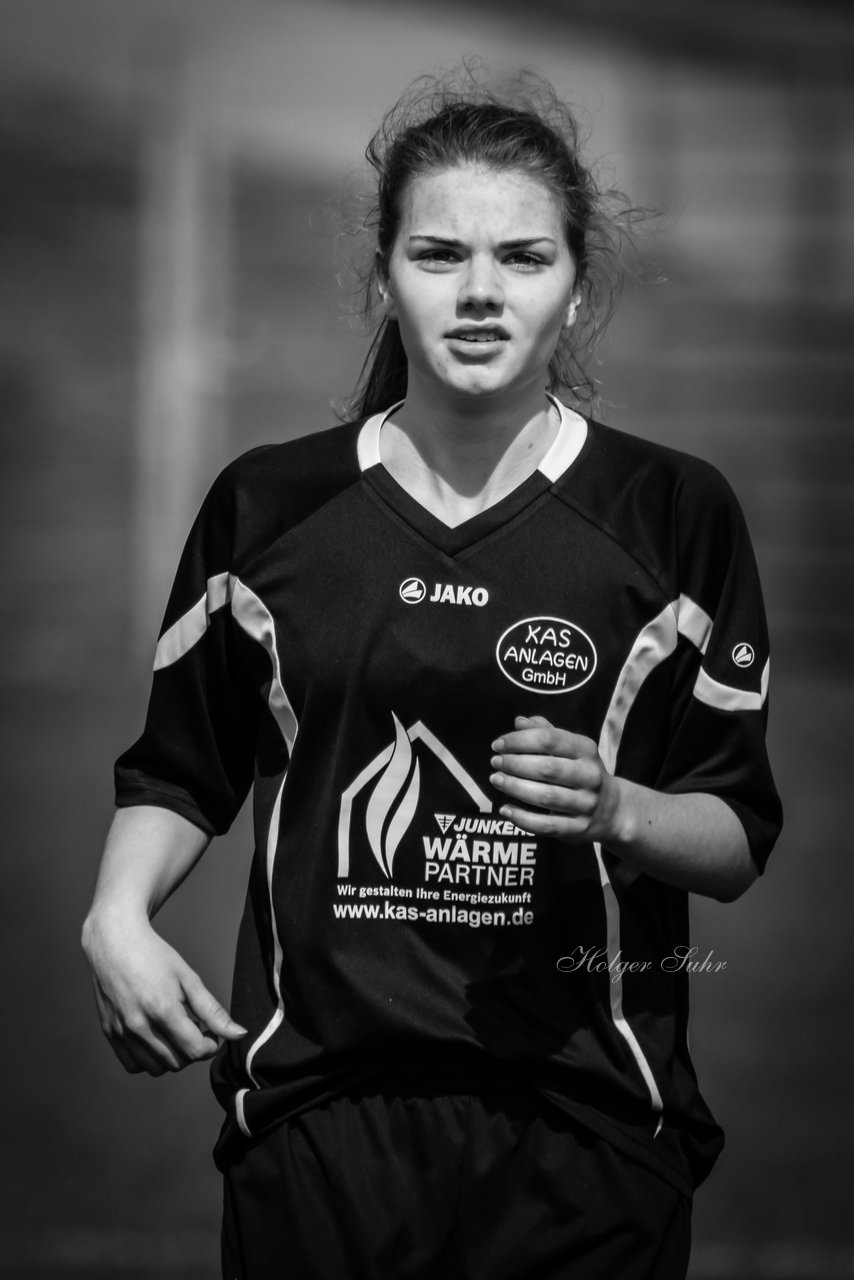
(170, 173)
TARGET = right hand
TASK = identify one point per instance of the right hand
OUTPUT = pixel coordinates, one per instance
(154, 1009)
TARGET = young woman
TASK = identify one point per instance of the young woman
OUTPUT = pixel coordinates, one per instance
(498, 675)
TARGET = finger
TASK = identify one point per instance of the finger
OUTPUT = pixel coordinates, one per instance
(554, 825)
(186, 1042)
(126, 1058)
(159, 1037)
(575, 774)
(529, 738)
(136, 1057)
(207, 1009)
(105, 1010)
(148, 1037)
(543, 795)
(128, 1045)
(181, 1043)
(174, 1046)
(150, 1043)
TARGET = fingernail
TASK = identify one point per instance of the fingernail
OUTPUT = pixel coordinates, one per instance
(498, 744)
(496, 762)
(497, 779)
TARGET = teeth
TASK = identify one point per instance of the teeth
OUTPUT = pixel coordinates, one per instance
(478, 337)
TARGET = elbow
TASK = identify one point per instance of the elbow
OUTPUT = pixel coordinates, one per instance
(737, 882)
(86, 933)
(737, 868)
(731, 893)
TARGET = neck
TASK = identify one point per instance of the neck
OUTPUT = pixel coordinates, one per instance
(459, 457)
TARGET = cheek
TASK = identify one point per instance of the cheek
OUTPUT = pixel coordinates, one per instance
(546, 321)
(558, 311)
(418, 310)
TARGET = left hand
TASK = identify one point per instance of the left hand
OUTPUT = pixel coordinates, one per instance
(555, 783)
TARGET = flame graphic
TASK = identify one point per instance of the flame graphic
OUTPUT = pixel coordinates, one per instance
(381, 806)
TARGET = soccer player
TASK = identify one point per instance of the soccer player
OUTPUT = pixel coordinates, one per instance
(498, 674)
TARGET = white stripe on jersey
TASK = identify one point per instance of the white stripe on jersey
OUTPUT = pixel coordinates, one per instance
(725, 698)
(612, 914)
(272, 1025)
(190, 628)
(693, 623)
(652, 646)
(696, 625)
(655, 643)
(253, 616)
(238, 1113)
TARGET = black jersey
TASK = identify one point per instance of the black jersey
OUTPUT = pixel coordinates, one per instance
(332, 642)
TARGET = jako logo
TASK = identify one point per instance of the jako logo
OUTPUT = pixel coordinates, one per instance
(412, 590)
(743, 655)
(548, 655)
(444, 593)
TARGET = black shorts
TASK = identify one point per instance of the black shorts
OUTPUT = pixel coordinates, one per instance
(412, 1187)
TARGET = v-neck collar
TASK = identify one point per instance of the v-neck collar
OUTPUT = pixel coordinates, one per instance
(565, 448)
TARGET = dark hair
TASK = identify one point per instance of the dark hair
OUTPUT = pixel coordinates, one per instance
(523, 127)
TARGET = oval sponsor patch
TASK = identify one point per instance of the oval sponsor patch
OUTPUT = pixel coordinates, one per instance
(546, 655)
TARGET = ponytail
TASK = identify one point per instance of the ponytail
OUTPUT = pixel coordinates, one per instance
(384, 375)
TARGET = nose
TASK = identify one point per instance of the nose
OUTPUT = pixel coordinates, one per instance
(480, 287)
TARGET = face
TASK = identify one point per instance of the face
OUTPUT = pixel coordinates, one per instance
(480, 280)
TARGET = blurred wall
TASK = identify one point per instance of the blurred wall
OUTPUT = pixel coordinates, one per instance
(171, 176)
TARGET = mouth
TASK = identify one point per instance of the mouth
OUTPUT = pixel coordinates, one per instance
(481, 333)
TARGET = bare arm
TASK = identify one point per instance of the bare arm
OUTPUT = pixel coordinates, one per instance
(154, 1008)
(555, 784)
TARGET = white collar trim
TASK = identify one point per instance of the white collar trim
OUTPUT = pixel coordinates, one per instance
(566, 445)
(564, 449)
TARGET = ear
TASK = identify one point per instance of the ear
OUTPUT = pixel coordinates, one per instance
(384, 289)
(572, 311)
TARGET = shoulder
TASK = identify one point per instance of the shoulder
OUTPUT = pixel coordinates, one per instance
(268, 490)
(312, 467)
(655, 471)
(662, 505)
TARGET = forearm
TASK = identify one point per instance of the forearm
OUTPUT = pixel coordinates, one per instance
(148, 852)
(694, 842)
(554, 784)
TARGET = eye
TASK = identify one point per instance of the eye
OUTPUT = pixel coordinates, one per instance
(524, 261)
(437, 258)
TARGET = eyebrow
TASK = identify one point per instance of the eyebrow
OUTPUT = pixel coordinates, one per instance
(505, 244)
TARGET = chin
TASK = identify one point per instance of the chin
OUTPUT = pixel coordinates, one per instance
(488, 385)
(476, 383)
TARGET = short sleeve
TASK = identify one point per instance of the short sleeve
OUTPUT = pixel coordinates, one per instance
(196, 753)
(721, 683)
